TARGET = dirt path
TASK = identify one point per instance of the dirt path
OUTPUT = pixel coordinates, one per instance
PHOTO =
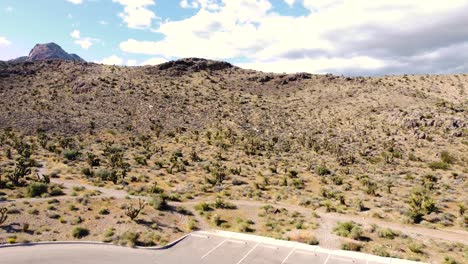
(327, 220)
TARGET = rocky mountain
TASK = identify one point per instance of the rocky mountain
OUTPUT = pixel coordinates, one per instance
(48, 51)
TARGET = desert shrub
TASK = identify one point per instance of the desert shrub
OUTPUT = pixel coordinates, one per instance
(53, 216)
(203, 207)
(421, 204)
(246, 227)
(25, 227)
(36, 189)
(103, 174)
(55, 190)
(129, 238)
(387, 233)
(348, 229)
(221, 204)
(80, 232)
(449, 260)
(380, 251)
(71, 154)
(416, 247)
(104, 211)
(11, 240)
(351, 246)
(322, 170)
(88, 172)
(158, 202)
(192, 225)
(438, 165)
(448, 158)
(217, 220)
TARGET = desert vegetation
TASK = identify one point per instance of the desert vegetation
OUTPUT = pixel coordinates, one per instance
(140, 156)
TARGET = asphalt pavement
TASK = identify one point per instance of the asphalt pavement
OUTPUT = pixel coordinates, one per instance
(207, 247)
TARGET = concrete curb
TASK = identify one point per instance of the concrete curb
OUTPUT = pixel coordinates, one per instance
(169, 245)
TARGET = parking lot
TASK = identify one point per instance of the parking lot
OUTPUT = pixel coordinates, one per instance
(213, 247)
(233, 248)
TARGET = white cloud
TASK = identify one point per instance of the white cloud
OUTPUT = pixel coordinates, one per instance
(316, 65)
(75, 34)
(112, 60)
(154, 61)
(132, 63)
(9, 9)
(103, 22)
(4, 42)
(136, 13)
(357, 36)
(76, 2)
(83, 42)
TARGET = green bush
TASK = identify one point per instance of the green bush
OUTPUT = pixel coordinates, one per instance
(158, 202)
(322, 171)
(348, 229)
(387, 233)
(80, 232)
(71, 154)
(416, 248)
(439, 165)
(104, 211)
(380, 251)
(129, 238)
(203, 206)
(104, 175)
(221, 204)
(448, 158)
(55, 190)
(36, 189)
(351, 246)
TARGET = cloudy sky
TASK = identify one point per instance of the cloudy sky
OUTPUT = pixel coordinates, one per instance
(351, 37)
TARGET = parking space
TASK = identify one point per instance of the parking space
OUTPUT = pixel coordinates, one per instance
(265, 254)
(189, 250)
(231, 251)
(303, 256)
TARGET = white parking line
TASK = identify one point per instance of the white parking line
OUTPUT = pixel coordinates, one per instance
(327, 259)
(213, 249)
(290, 252)
(250, 251)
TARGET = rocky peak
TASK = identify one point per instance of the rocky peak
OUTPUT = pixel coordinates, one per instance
(48, 51)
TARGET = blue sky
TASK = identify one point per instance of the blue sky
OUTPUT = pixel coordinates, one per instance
(351, 37)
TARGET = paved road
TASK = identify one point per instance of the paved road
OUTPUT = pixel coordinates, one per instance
(199, 247)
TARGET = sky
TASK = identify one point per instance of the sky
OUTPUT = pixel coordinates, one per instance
(349, 37)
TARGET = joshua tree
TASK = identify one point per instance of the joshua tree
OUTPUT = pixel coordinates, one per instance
(421, 204)
(22, 169)
(133, 212)
(3, 215)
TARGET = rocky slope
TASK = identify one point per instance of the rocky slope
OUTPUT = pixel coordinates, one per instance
(48, 51)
